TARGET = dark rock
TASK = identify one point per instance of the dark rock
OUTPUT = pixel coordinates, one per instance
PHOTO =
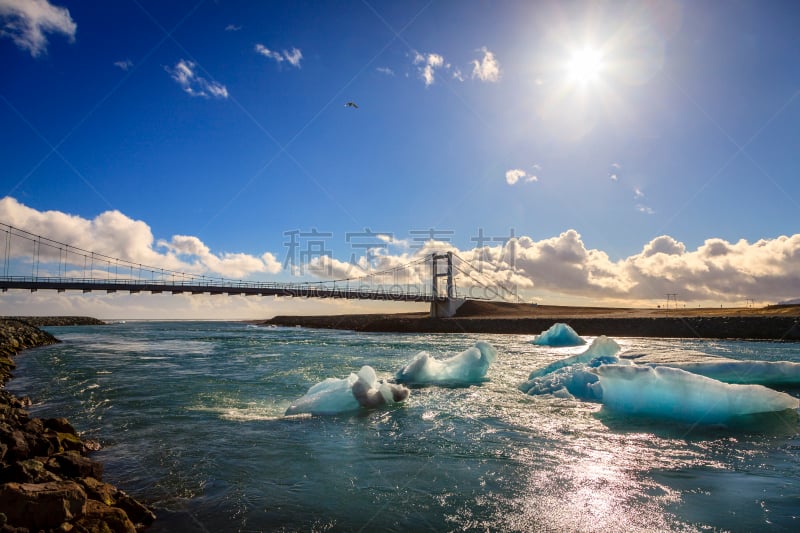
(61, 442)
(73, 464)
(42, 505)
(102, 518)
(60, 425)
(138, 513)
(34, 425)
(30, 471)
(97, 490)
(18, 448)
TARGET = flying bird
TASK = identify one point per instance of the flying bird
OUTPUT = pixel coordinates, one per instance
(351, 104)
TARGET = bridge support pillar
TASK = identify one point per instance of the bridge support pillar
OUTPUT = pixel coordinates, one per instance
(446, 308)
(449, 304)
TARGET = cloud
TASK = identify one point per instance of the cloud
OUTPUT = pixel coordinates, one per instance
(115, 235)
(637, 193)
(385, 70)
(717, 271)
(27, 21)
(558, 267)
(293, 57)
(487, 69)
(184, 72)
(427, 65)
(645, 209)
(614, 177)
(124, 64)
(515, 174)
(232, 27)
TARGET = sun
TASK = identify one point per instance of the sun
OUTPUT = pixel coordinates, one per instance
(584, 65)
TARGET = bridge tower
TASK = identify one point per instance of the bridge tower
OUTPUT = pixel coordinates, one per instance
(443, 305)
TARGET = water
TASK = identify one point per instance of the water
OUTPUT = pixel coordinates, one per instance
(190, 418)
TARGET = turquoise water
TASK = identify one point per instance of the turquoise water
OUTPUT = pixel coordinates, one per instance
(190, 418)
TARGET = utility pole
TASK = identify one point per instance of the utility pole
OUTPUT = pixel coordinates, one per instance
(672, 297)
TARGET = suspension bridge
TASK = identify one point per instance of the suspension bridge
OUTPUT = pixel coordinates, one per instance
(33, 262)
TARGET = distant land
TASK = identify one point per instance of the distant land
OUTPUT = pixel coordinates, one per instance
(775, 322)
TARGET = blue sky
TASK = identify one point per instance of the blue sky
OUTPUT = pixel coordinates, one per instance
(617, 133)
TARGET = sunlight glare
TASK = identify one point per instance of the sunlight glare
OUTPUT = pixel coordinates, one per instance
(584, 65)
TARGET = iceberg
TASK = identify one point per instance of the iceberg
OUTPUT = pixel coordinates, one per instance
(677, 394)
(745, 372)
(466, 368)
(602, 346)
(333, 396)
(559, 334)
(572, 377)
(568, 382)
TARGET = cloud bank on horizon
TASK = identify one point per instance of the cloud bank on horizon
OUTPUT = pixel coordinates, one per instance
(717, 271)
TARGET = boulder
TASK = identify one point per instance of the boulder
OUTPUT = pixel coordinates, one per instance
(137, 512)
(102, 518)
(59, 425)
(41, 505)
(30, 471)
(73, 464)
(97, 490)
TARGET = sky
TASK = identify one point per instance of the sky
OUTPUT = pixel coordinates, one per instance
(593, 153)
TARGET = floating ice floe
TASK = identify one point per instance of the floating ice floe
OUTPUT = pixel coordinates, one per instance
(559, 334)
(333, 396)
(681, 395)
(572, 377)
(744, 372)
(466, 368)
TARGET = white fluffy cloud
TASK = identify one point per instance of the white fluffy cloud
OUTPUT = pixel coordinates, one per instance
(487, 68)
(514, 175)
(717, 271)
(27, 21)
(292, 56)
(115, 235)
(427, 65)
(185, 73)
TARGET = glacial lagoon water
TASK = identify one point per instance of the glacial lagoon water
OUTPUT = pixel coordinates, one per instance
(190, 416)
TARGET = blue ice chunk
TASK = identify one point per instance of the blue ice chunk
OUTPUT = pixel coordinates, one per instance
(575, 381)
(677, 394)
(559, 334)
(571, 377)
(602, 346)
(744, 372)
(468, 367)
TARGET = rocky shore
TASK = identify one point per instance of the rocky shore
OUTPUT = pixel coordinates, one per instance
(39, 321)
(47, 482)
(480, 317)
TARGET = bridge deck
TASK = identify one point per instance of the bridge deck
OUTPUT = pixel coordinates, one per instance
(392, 293)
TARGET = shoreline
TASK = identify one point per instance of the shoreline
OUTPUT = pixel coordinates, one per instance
(47, 482)
(780, 323)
